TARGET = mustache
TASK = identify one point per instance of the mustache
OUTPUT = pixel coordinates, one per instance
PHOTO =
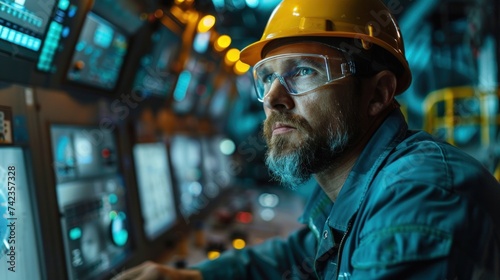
(293, 120)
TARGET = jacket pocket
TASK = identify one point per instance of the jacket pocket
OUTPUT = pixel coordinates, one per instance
(400, 244)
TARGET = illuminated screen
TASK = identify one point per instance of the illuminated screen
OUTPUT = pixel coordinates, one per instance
(192, 84)
(91, 198)
(155, 188)
(187, 166)
(216, 165)
(219, 104)
(82, 152)
(18, 248)
(99, 54)
(155, 76)
(23, 23)
(60, 28)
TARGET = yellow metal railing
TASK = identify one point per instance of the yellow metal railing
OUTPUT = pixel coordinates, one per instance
(497, 173)
(449, 119)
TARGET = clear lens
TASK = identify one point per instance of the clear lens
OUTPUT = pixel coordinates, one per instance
(299, 73)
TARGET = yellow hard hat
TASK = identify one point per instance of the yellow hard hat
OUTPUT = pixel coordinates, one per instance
(370, 21)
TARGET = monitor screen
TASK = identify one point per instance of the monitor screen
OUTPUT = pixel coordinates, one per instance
(18, 248)
(216, 164)
(220, 102)
(155, 188)
(23, 24)
(187, 169)
(81, 152)
(62, 26)
(155, 75)
(99, 54)
(91, 197)
(193, 83)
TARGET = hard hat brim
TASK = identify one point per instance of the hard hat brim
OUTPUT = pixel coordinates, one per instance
(253, 52)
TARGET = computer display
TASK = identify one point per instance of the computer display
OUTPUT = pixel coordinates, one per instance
(23, 24)
(193, 83)
(82, 152)
(91, 198)
(155, 188)
(216, 165)
(99, 54)
(155, 75)
(187, 169)
(19, 257)
(62, 25)
(220, 102)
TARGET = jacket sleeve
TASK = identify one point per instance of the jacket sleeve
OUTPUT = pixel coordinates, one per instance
(430, 222)
(273, 259)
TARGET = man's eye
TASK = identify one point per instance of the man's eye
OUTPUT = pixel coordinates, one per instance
(304, 71)
(268, 78)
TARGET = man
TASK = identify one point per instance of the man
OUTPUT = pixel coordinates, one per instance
(391, 203)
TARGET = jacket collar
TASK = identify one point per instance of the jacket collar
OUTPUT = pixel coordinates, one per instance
(352, 194)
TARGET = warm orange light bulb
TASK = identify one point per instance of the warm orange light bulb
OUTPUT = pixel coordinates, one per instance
(206, 23)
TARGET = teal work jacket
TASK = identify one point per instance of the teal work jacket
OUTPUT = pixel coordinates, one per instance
(411, 208)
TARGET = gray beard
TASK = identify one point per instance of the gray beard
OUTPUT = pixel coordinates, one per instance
(316, 154)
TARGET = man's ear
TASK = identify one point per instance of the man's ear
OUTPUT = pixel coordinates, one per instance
(384, 88)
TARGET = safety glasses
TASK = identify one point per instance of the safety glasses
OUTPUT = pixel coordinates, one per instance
(299, 73)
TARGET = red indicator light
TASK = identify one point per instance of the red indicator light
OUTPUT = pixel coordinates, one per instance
(106, 153)
(244, 217)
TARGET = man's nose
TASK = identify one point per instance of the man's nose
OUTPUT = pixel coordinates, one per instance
(278, 97)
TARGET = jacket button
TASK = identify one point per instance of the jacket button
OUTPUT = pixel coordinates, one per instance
(325, 234)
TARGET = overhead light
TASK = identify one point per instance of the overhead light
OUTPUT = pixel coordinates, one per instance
(232, 56)
(158, 13)
(222, 43)
(241, 68)
(206, 23)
